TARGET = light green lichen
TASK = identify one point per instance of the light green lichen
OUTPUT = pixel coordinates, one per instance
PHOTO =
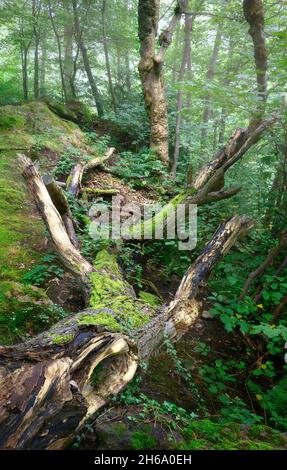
(101, 318)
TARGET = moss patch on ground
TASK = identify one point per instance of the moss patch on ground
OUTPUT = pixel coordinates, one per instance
(33, 129)
(208, 435)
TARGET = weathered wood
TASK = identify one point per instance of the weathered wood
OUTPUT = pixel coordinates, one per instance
(61, 203)
(74, 181)
(68, 254)
(95, 162)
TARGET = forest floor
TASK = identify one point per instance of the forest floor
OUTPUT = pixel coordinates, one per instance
(156, 410)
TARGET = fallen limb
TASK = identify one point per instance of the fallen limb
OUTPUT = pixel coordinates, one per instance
(74, 181)
(60, 202)
(68, 254)
(100, 191)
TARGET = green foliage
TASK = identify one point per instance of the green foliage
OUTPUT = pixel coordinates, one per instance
(67, 161)
(206, 434)
(141, 170)
(132, 267)
(274, 401)
(26, 319)
(43, 271)
(142, 440)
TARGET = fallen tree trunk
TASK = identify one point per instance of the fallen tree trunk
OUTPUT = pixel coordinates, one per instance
(68, 254)
(50, 385)
(60, 202)
(74, 181)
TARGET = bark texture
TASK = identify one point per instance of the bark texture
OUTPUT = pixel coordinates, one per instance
(151, 70)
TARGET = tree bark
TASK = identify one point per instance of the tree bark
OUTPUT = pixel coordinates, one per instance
(68, 63)
(69, 256)
(254, 15)
(42, 73)
(151, 71)
(61, 203)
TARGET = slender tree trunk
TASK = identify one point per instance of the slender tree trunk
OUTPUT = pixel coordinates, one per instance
(185, 59)
(58, 40)
(254, 15)
(106, 52)
(36, 68)
(42, 72)
(176, 47)
(128, 71)
(36, 8)
(68, 63)
(25, 79)
(209, 78)
(86, 61)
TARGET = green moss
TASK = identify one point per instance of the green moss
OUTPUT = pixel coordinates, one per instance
(10, 118)
(206, 434)
(149, 298)
(24, 311)
(102, 318)
(148, 228)
(112, 297)
(141, 440)
(62, 339)
(31, 128)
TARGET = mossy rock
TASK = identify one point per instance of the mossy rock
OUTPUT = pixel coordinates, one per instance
(74, 111)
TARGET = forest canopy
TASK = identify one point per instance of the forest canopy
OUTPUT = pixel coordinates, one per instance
(143, 107)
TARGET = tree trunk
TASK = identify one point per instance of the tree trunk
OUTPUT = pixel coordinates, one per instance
(186, 60)
(86, 61)
(106, 52)
(151, 71)
(24, 60)
(58, 40)
(254, 15)
(36, 68)
(42, 73)
(68, 63)
(209, 78)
